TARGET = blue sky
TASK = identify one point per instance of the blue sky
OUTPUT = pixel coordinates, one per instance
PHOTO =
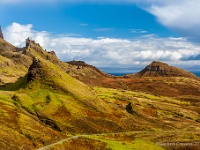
(86, 19)
(108, 33)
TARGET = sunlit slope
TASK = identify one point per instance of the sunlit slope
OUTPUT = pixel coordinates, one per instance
(42, 106)
(62, 102)
(155, 112)
(13, 64)
(44, 74)
(19, 128)
(49, 100)
(71, 106)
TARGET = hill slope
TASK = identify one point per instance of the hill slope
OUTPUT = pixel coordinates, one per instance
(86, 73)
(48, 98)
(160, 69)
(13, 64)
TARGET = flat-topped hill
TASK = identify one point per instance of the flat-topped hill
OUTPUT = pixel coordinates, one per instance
(160, 69)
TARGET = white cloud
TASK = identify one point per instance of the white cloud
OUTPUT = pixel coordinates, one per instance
(17, 33)
(109, 52)
(181, 16)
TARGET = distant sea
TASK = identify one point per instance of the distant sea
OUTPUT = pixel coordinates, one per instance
(122, 71)
(197, 73)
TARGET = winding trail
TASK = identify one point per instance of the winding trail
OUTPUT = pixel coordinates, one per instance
(47, 147)
(59, 142)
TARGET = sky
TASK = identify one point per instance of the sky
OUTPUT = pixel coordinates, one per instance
(108, 33)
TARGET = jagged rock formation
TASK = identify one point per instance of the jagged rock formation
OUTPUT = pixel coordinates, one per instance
(52, 53)
(34, 70)
(15, 61)
(31, 43)
(1, 33)
(160, 69)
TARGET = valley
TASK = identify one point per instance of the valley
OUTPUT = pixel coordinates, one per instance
(49, 104)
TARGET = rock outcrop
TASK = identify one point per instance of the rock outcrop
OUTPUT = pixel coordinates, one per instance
(1, 33)
(31, 44)
(35, 70)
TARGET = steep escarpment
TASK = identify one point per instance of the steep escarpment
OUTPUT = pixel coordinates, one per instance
(82, 65)
(86, 73)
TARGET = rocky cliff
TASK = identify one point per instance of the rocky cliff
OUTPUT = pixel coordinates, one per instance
(1, 33)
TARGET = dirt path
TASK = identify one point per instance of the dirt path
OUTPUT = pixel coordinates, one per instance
(77, 136)
(88, 135)
(72, 137)
(60, 142)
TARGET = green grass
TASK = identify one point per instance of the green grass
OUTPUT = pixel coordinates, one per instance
(21, 83)
(148, 145)
(117, 145)
(130, 96)
(121, 144)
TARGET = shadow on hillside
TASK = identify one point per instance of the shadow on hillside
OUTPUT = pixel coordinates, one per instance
(20, 83)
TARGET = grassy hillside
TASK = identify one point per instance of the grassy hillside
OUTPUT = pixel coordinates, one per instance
(152, 122)
(41, 103)
(170, 140)
(62, 113)
(19, 128)
(13, 64)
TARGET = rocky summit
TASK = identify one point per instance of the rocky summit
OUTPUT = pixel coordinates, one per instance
(160, 69)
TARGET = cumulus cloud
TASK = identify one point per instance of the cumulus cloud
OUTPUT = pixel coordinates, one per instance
(181, 16)
(17, 33)
(109, 52)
